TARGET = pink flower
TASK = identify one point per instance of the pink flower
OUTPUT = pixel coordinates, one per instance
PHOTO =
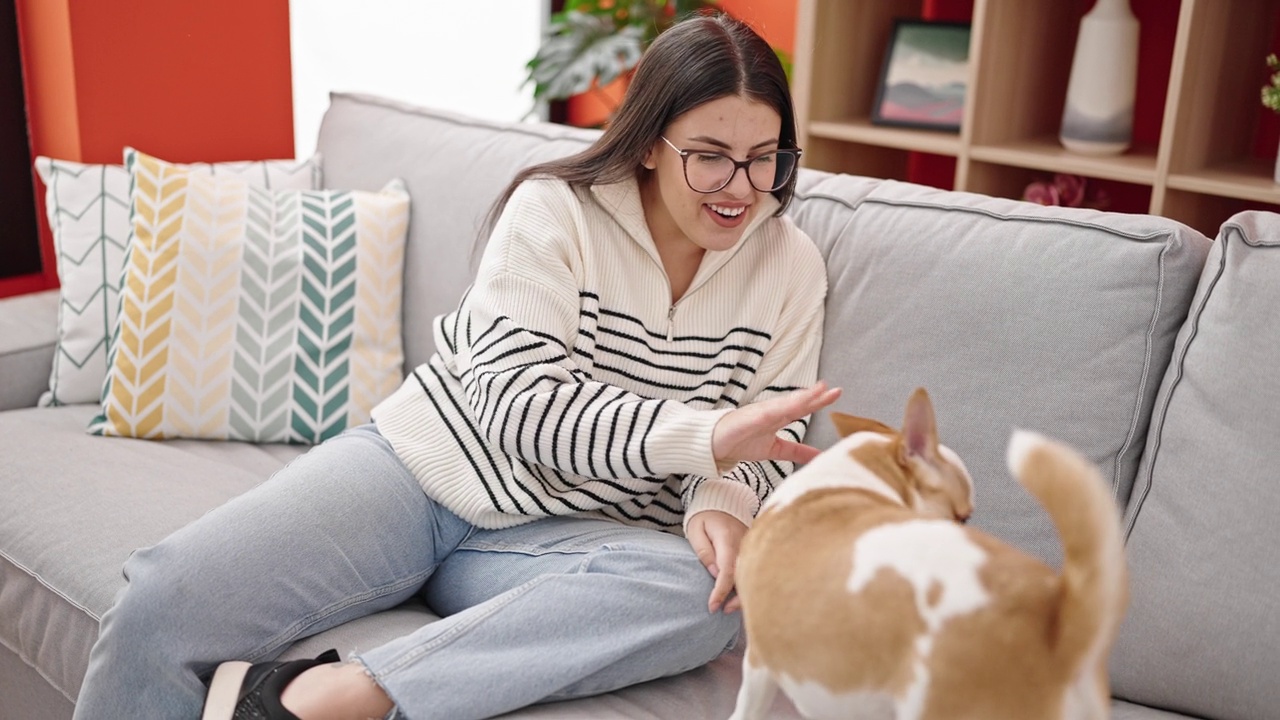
(1070, 189)
(1042, 193)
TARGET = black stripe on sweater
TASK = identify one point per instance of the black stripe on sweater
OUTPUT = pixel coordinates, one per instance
(670, 386)
(457, 438)
(698, 338)
(683, 352)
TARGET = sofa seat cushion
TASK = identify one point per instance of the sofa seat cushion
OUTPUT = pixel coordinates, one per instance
(1011, 314)
(75, 506)
(1202, 625)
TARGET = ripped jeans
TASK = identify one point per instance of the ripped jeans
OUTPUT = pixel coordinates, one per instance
(554, 609)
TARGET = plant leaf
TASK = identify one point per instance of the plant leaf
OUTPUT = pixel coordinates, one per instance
(580, 48)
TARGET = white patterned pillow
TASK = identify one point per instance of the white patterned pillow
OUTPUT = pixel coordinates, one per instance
(88, 210)
(251, 314)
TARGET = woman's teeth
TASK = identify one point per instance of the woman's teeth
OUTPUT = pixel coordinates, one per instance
(728, 212)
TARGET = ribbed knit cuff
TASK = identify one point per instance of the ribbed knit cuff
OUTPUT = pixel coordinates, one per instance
(727, 496)
(680, 442)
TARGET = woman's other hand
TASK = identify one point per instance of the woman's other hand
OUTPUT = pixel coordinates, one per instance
(716, 537)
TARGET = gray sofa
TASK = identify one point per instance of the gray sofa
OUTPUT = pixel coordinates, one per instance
(1136, 339)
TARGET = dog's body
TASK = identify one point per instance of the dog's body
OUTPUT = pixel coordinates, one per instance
(863, 596)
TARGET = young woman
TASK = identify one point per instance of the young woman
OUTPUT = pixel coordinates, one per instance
(567, 480)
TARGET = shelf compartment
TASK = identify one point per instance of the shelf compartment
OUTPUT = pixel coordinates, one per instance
(838, 74)
(1138, 166)
(1000, 179)
(1213, 108)
(1206, 212)
(864, 132)
(1022, 68)
(1243, 180)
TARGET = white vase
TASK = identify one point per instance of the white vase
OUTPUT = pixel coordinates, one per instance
(1098, 118)
(1276, 175)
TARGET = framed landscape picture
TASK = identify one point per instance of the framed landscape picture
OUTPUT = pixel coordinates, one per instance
(925, 76)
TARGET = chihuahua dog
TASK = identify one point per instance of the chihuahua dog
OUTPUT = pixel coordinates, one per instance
(864, 596)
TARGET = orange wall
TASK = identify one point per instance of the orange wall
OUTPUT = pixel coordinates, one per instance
(182, 80)
(775, 20)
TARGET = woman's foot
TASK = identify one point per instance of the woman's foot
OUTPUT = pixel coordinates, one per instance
(336, 692)
(318, 689)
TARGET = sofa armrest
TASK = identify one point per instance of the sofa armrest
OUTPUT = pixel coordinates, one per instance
(28, 336)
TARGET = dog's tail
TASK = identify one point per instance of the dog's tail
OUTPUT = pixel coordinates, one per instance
(1095, 586)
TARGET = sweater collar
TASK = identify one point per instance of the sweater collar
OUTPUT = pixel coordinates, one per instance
(621, 200)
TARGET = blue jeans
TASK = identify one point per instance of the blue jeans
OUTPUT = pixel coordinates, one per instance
(554, 609)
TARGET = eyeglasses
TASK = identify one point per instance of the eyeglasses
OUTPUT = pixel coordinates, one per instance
(711, 171)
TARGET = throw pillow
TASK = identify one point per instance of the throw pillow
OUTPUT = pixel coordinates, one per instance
(251, 314)
(88, 211)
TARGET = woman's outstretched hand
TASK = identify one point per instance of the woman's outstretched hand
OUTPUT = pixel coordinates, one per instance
(750, 432)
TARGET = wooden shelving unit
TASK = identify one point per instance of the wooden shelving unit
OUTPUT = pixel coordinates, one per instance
(1200, 170)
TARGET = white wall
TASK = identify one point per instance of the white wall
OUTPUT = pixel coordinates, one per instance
(450, 54)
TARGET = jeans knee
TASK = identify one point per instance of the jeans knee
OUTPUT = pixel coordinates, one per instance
(716, 633)
(708, 634)
(152, 601)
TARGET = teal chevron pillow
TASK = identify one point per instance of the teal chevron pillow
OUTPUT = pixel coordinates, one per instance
(88, 211)
(252, 314)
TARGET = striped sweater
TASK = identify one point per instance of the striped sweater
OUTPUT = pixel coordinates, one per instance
(567, 381)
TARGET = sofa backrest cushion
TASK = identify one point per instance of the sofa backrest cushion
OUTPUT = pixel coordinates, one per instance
(454, 167)
(1011, 315)
(1200, 635)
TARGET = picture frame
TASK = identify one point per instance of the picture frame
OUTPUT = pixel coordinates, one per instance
(925, 76)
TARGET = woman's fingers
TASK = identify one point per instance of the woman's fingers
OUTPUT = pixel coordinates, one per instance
(814, 399)
(750, 432)
(702, 547)
(724, 586)
(788, 451)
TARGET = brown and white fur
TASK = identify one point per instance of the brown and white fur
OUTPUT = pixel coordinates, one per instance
(863, 597)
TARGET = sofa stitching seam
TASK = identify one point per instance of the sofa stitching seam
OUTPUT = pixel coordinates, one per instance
(1159, 235)
(18, 651)
(1180, 355)
(363, 99)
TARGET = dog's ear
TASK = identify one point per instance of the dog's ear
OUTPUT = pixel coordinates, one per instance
(847, 425)
(920, 427)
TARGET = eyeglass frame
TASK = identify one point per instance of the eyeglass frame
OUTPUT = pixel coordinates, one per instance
(743, 165)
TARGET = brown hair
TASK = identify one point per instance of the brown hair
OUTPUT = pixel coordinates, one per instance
(699, 59)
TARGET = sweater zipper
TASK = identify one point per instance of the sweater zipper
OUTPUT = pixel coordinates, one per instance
(671, 309)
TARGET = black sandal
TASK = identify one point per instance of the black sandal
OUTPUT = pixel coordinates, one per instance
(240, 691)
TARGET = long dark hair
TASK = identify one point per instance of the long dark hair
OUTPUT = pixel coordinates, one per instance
(699, 59)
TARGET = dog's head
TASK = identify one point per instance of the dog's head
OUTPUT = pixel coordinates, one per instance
(928, 476)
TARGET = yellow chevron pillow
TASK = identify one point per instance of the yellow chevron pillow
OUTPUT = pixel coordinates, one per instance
(252, 314)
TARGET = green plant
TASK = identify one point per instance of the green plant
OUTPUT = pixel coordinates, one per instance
(600, 40)
(591, 43)
(1271, 91)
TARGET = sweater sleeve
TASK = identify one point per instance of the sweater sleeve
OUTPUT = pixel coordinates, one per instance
(511, 348)
(790, 364)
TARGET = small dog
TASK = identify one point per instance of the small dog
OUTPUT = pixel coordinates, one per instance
(863, 597)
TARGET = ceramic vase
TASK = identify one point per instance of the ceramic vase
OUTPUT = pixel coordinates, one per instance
(1098, 118)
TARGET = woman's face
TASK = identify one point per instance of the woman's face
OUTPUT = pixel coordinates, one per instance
(732, 126)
